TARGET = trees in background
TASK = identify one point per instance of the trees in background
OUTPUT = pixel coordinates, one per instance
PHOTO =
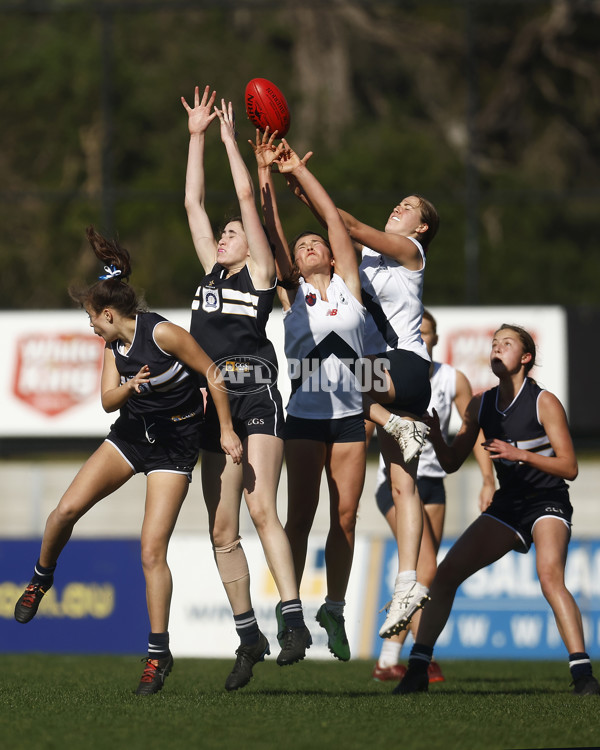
(489, 108)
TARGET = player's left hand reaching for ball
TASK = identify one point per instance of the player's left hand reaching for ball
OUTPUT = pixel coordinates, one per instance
(226, 117)
(288, 160)
(264, 148)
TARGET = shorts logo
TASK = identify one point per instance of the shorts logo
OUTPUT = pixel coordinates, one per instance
(241, 375)
(255, 420)
(210, 300)
(550, 509)
(311, 299)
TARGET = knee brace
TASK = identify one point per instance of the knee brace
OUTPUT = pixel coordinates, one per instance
(231, 561)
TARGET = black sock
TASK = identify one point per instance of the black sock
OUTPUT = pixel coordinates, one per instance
(580, 665)
(158, 645)
(292, 613)
(420, 657)
(246, 626)
(43, 576)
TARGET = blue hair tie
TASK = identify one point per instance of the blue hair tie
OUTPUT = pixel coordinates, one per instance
(111, 272)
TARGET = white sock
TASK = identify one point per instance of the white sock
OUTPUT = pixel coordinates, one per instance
(406, 576)
(389, 654)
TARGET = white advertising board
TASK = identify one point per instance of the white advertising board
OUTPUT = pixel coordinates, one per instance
(201, 623)
(50, 379)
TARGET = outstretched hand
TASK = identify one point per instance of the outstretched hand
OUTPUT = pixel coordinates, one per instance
(226, 116)
(288, 160)
(201, 115)
(433, 422)
(264, 148)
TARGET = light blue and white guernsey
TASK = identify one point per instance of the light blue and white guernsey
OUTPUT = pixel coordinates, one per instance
(520, 425)
(324, 349)
(172, 391)
(443, 393)
(392, 295)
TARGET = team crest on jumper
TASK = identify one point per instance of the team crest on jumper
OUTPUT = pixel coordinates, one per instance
(210, 300)
(311, 299)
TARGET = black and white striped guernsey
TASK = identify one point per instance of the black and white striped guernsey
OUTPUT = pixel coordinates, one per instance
(519, 424)
(173, 388)
(229, 319)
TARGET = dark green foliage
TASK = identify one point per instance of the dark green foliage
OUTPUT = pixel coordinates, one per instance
(392, 97)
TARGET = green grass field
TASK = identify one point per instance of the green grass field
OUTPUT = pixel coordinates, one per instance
(78, 702)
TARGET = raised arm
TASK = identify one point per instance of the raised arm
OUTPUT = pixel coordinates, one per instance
(265, 153)
(394, 246)
(464, 394)
(261, 263)
(346, 264)
(452, 457)
(199, 118)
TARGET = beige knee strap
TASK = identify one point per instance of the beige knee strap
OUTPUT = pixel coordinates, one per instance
(231, 561)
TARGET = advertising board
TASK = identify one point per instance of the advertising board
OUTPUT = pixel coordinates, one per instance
(50, 379)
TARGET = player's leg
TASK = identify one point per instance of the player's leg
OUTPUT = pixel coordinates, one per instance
(551, 538)
(103, 473)
(409, 594)
(345, 467)
(165, 494)
(399, 398)
(435, 516)
(426, 570)
(222, 483)
(262, 467)
(485, 541)
(304, 461)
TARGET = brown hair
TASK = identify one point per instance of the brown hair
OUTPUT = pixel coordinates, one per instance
(430, 217)
(111, 290)
(527, 341)
(292, 279)
(428, 316)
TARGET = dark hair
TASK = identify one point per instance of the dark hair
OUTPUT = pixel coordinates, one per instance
(228, 220)
(112, 291)
(430, 217)
(239, 220)
(526, 339)
(428, 316)
(292, 279)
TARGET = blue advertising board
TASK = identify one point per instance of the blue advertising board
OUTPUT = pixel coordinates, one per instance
(500, 612)
(97, 604)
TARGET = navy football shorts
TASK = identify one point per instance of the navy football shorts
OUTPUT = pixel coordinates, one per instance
(410, 375)
(521, 513)
(163, 446)
(252, 413)
(342, 430)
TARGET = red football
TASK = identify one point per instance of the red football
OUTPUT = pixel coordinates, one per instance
(266, 106)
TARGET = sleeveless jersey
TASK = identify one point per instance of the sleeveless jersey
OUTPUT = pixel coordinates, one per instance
(229, 318)
(323, 345)
(519, 424)
(392, 295)
(172, 391)
(443, 392)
